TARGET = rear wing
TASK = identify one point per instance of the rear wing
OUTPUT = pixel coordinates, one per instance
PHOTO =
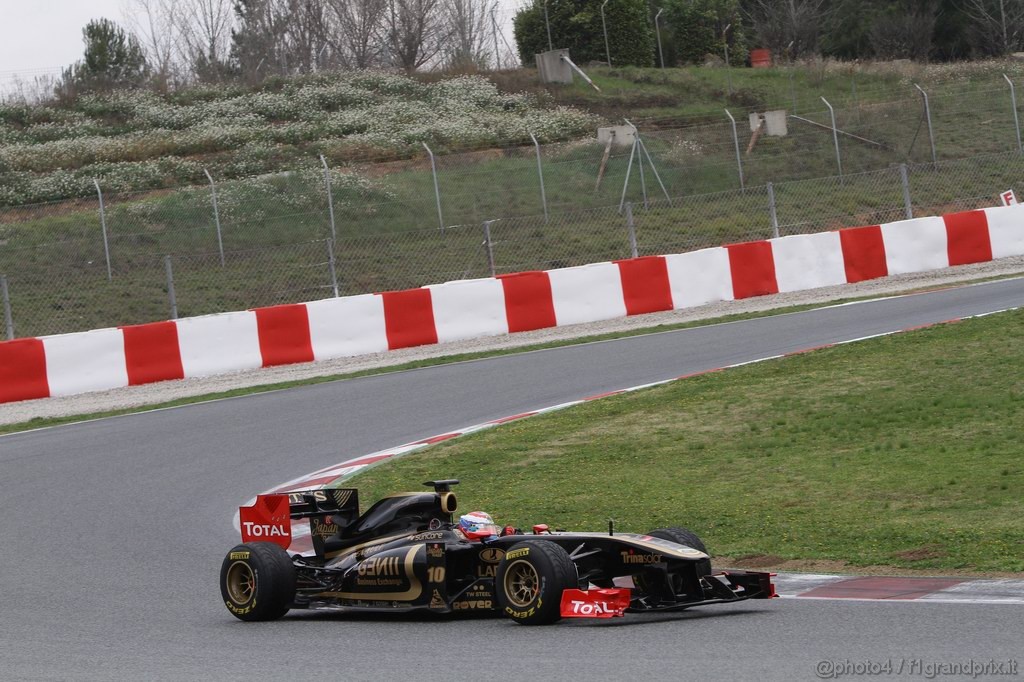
(304, 504)
(329, 512)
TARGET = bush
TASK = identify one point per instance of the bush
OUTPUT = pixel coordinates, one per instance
(576, 25)
(692, 29)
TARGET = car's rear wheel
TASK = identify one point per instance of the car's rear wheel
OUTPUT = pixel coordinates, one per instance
(257, 581)
(530, 580)
(685, 536)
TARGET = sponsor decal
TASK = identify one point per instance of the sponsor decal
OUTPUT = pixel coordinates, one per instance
(473, 604)
(268, 520)
(435, 551)
(378, 582)
(492, 555)
(600, 603)
(238, 556)
(631, 558)
(240, 610)
(434, 524)
(380, 566)
(436, 602)
(519, 614)
(486, 571)
(433, 535)
(322, 528)
(341, 496)
(516, 553)
(371, 550)
(300, 498)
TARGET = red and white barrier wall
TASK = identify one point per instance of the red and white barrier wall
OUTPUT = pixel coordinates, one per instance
(338, 327)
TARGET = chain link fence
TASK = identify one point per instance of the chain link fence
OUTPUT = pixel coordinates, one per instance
(292, 236)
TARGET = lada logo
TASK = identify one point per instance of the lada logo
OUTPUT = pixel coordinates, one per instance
(492, 555)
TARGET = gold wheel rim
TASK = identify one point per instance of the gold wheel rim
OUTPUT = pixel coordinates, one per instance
(241, 582)
(521, 583)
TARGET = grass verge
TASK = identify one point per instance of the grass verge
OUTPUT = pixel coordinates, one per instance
(902, 451)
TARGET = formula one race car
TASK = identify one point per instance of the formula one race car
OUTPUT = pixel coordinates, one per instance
(405, 553)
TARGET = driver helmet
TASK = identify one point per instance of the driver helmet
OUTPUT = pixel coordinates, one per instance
(478, 526)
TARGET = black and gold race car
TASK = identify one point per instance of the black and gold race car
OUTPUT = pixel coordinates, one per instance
(404, 553)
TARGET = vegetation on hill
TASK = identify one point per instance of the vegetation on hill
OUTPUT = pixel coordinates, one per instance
(132, 140)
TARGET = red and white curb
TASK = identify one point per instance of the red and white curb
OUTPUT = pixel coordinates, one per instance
(818, 586)
(900, 588)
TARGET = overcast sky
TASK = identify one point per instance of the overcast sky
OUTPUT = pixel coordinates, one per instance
(45, 35)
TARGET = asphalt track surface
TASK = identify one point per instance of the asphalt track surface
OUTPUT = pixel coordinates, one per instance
(113, 532)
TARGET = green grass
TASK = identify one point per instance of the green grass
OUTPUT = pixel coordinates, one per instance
(902, 451)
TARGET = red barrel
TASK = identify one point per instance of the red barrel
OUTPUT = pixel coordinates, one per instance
(760, 58)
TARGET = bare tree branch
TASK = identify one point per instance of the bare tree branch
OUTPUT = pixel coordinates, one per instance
(414, 32)
(358, 41)
(467, 23)
(997, 26)
(153, 22)
(788, 26)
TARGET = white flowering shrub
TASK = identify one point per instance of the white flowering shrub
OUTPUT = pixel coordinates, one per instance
(48, 152)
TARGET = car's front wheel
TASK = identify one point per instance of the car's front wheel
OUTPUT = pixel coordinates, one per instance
(257, 581)
(685, 536)
(530, 580)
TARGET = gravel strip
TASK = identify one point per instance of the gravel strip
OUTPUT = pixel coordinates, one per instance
(150, 394)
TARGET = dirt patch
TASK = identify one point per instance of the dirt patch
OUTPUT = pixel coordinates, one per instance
(757, 561)
(921, 553)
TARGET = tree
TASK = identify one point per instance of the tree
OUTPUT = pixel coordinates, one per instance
(113, 59)
(155, 23)
(204, 29)
(259, 41)
(576, 25)
(467, 23)
(788, 27)
(904, 30)
(696, 28)
(358, 40)
(413, 32)
(996, 26)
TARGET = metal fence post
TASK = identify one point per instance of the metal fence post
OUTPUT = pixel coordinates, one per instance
(736, 142)
(772, 212)
(216, 216)
(437, 188)
(330, 199)
(1016, 117)
(604, 28)
(835, 137)
(8, 319)
(657, 33)
(170, 287)
(489, 246)
(632, 230)
(331, 266)
(905, 181)
(928, 115)
(792, 88)
(103, 225)
(540, 175)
